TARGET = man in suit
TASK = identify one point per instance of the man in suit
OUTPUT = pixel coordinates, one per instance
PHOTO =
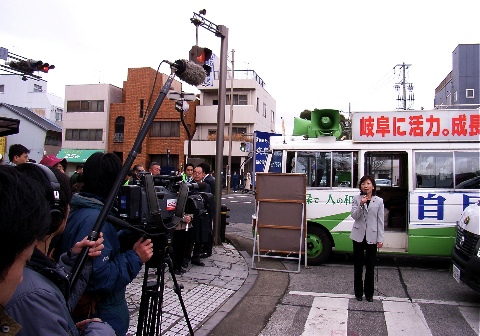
(367, 235)
(210, 180)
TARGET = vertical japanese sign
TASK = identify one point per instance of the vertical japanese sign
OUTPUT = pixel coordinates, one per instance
(417, 126)
(211, 63)
(3, 145)
(260, 152)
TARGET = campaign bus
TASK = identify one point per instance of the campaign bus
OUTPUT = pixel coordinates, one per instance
(426, 165)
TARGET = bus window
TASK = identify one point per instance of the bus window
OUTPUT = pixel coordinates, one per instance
(343, 169)
(434, 169)
(467, 170)
(276, 162)
(388, 169)
(317, 165)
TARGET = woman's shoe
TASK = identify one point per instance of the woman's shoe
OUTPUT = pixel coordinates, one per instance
(359, 298)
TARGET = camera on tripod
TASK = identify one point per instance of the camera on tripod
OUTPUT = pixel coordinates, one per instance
(159, 201)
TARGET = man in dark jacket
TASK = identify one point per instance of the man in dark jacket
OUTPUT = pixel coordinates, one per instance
(43, 301)
(117, 265)
(19, 230)
(207, 248)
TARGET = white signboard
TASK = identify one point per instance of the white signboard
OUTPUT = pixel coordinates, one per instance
(416, 126)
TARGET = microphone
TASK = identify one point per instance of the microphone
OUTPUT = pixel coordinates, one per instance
(189, 72)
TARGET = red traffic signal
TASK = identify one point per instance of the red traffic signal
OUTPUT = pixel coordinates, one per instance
(199, 55)
(29, 66)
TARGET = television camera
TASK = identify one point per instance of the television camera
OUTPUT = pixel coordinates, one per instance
(158, 202)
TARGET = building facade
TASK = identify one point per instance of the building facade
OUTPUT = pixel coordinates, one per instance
(31, 94)
(253, 110)
(164, 141)
(40, 135)
(86, 120)
(461, 87)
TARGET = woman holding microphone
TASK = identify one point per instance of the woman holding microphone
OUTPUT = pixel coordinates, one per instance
(367, 235)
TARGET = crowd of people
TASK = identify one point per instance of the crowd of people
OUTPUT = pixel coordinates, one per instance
(46, 219)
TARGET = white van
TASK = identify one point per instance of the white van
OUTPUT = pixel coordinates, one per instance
(466, 252)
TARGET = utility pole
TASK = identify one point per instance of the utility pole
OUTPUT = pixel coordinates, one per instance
(404, 86)
(221, 32)
(230, 128)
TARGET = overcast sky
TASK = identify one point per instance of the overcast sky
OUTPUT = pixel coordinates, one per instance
(311, 54)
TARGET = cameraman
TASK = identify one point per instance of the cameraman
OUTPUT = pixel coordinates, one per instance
(24, 218)
(42, 302)
(117, 265)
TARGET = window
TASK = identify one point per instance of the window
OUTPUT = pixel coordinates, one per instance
(447, 169)
(165, 129)
(2, 88)
(258, 105)
(215, 102)
(239, 130)
(85, 106)
(455, 97)
(84, 134)
(37, 88)
(467, 170)
(58, 114)
(119, 129)
(265, 110)
(324, 169)
(238, 99)
(273, 116)
(470, 93)
(141, 108)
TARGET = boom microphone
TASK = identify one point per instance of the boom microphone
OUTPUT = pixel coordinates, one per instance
(189, 72)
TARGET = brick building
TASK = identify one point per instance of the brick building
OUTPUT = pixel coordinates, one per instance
(165, 140)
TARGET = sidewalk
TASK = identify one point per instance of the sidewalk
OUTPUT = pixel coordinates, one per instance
(209, 292)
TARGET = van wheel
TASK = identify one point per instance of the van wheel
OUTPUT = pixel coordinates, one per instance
(319, 246)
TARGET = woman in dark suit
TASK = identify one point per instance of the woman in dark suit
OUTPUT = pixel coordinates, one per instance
(367, 235)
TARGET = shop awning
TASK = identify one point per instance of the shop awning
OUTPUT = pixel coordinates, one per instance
(77, 155)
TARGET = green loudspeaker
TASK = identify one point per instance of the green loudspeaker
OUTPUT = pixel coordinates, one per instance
(300, 126)
(326, 122)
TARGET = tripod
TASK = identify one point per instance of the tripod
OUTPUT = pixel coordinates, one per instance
(150, 313)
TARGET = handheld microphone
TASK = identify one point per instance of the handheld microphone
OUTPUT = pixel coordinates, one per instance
(189, 72)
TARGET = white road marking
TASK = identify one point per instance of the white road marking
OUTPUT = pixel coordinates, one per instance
(404, 318)
(328, 316)
(472, 316)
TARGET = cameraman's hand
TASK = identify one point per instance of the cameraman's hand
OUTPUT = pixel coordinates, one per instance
(144, 249)
(96, 247)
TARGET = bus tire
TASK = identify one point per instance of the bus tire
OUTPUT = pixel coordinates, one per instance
(319, 245)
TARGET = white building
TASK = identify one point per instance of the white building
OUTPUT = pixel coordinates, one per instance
(86, 120)
(38, 134)
(253, 110)
(31, 94)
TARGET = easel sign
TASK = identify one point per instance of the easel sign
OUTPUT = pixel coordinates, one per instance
(280, 229)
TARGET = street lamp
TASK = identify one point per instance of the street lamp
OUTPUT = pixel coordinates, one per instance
(222, 32)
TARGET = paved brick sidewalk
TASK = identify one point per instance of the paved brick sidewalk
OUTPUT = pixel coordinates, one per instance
(205, 290)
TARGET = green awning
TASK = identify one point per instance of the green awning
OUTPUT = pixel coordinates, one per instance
(77, 155)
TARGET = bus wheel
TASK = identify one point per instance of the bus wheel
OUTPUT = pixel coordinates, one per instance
(319, 246)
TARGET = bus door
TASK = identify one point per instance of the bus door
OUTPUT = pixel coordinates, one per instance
(390, 171)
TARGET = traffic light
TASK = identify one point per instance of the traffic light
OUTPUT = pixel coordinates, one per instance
(243, 146)
(200, 56)
(21, 66)
(29, 66)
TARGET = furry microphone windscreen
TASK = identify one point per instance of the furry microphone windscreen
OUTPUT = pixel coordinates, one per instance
(190, 72)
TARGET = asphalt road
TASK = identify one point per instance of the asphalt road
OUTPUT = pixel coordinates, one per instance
(281, 303)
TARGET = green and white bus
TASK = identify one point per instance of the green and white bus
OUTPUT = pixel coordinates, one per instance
(426, 165)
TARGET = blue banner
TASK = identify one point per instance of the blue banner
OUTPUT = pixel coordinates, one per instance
(261, 146)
